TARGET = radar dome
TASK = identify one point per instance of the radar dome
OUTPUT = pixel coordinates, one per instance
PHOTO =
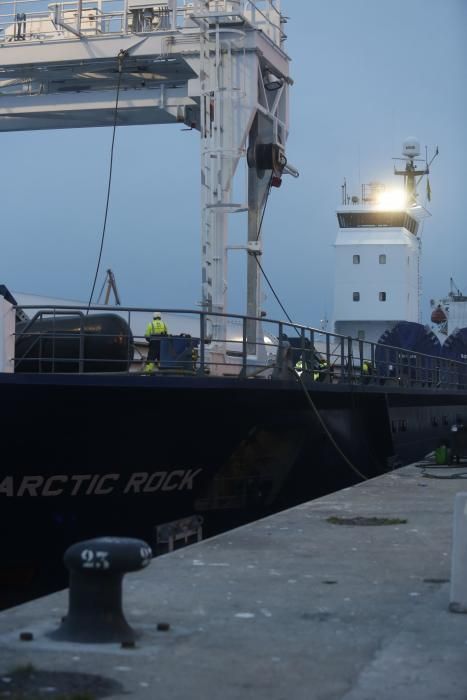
(411, 147)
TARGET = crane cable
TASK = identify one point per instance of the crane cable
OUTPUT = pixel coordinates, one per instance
(266, 199)
(122, 54)
(296, 375)
(325, 428)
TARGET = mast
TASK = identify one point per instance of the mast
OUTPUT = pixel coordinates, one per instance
(411, 174)
(412, 178)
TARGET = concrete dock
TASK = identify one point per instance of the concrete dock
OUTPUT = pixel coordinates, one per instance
(343, 597)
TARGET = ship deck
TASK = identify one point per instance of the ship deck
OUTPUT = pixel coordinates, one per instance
(298, 605)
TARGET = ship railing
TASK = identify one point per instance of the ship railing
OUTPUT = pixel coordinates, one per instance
(280, 349)
(42, 20)
(331, 358)
(43, 344)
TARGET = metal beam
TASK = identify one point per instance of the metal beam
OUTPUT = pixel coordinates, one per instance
(143, 106)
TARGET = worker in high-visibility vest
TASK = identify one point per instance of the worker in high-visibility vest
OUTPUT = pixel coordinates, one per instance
(367, 371)
(302, 366)
(299, 367)
(154, 330)
(320, 370)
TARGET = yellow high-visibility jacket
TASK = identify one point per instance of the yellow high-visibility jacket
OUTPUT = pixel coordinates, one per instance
(156, 327)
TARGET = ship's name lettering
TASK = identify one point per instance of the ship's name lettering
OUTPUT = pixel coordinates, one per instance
(36, 485)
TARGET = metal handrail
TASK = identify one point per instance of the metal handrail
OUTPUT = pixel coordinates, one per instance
(277, 351)
(39, 315)
(260, 13)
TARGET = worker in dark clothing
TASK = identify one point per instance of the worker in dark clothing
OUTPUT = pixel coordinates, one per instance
(20, 32)
(156, 329)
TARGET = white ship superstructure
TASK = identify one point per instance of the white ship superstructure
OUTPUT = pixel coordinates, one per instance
(377, 264)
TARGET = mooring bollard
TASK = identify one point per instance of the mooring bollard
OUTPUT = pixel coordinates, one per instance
(97, 568)
(458, 597)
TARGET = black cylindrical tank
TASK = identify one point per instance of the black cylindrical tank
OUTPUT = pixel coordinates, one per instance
(73, 343)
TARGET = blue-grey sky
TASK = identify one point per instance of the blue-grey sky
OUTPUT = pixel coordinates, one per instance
(367, 74)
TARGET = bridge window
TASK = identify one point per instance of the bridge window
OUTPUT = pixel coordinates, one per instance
(356, 260)
(382, 296)
(410, 224)
(382, 259)
(372, 219)
(356, 296)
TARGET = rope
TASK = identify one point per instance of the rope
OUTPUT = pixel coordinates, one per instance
(308, 397)
(273, 291)
(122, 54)
(265, 202)
(326, 430)
(259, 264)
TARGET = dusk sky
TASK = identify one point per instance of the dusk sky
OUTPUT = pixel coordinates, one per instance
(367, 74)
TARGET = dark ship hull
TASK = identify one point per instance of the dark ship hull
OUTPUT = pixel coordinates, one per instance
(120, 454)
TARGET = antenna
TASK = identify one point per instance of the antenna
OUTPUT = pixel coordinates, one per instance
(454, 291)
(413, 176)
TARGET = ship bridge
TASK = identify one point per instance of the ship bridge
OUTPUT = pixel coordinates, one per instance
(375, 218)
(378, 281)
(215, 66)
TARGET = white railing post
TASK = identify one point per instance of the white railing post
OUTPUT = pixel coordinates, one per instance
(79, 10)
(7, 335)
(458, 596)
(125, 17)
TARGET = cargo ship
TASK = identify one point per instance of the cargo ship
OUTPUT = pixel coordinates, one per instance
(118, 448)
(241, 415)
